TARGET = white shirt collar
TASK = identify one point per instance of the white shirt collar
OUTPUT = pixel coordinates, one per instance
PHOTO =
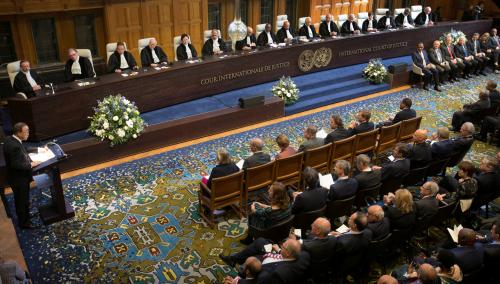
(17, 138)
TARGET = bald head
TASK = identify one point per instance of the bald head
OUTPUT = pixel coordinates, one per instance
(308, 21)
(286, 25)
(152, 43)
(252, 267)
(466, 237)
(420, 136)
(427, 274)
(256, 145)
(321, 227)
(249, 31)
(387, 279)
(375, 213)
(291, 249)
(328, 18)
(351, 17)
(428, 10)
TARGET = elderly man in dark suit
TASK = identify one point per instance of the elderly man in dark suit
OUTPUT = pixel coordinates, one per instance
(27, 81)
(362, 123)
(370, 24)
(386, 22)
(437, 57)
(378, 225)
(338, 130)
(313, 197)
(470, 111)
(488, 181)
(328, 28)
(474, 47)
(153, 55)
(492, 252)
(428, 205)
(259, 157)
(426, 18)
(399, 167)
(286, 33)
(311, 141)
(350, 26)
(249, 42)
(421, 59)
(456, 64)
(404, 19)
(441, 145)
(419, 152)
(308, 29)
(462, 52)
(344, 187)
(214, 45)
(266, 37)
(469, 254)
(463, 142)
(252, 268)
(367, 177)
(19, 171)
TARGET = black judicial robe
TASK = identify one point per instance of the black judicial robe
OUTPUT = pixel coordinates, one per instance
(262, 38)
(242, 43)
(304, 32)
(281, 34)
(115, 61)
(182, 54)
(209, 46)
(85, 65)
(22, 85)
(147, 56)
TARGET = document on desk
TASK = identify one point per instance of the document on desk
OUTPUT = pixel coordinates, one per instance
(42, 155)
(325, 181)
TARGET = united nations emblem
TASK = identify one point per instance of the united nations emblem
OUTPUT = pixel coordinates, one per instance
(322, 57)
(306, 60)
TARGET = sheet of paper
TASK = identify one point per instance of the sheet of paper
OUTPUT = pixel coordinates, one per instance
(42, 155)
(268, 248)
(158, 68)
(321, 134)
(240, 164)
(465, 204)
(454, 232)
(297, 232)
(342, 229)
(391, 158)
(326, 180)
(124, 74)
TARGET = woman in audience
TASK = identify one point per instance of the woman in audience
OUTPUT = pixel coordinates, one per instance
(285, 149)
(264, 216)
(463, 188)
(400, 210)
(224, 166)
(448, 271)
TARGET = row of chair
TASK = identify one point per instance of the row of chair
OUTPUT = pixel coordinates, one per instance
(237, 187)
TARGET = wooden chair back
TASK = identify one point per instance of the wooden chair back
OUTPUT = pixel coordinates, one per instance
(408, 127)
(388, 137)
(339, 208)
(289, 170)
(366, 142)
(319, 158)
(342, 150)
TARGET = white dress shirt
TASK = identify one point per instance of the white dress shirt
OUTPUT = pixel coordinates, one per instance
(269, 38)
(188, 51)
(309, 31)
(328, 26)
(76, 68)
(440, 57)
(155, 57)
(249, 40)
(387, 21)
(215, 46)
(30, 79)
(426, 19)
(370, 24)
(405, 20)
(288, 34)
(351, 27)
(123, 62)
(423, 58)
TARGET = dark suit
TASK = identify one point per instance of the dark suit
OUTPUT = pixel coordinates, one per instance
(398, 220)
(493, 43)
(257, 159)
(222, 170)
(208, 47)
(323, 29)
(469, 113)
(366, 23)
(22, 85)
(287, 271)
(114, 62)
(494, 97)
(361, 128)
(85, 66)
(147, 56)
(442, 149)
(490, 124)
(368, 179)
(244, 42)
(449, 55)
(342, 189)
(304, 32)
(351, 250)
(404, 114)
(420, 155)
(382, 23)
(321, 252)
(474, 47)
(400, 19)
(420, 19)
(346, 27)
(462, 52)
(437, 57)
(462, 144)
(310, 200)
(281, 34)
(311, 144)
(429, 73)
(379, 229)
(427, 208)
(469, 258)
(488, 188)
(491, 258)
(262, 39)
(19, 175)
(336, 135)
(395, 170)
(182, 54)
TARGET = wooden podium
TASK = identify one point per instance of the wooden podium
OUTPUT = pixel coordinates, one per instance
(58, 209)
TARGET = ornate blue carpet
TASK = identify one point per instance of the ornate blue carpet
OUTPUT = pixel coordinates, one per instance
(138, 222)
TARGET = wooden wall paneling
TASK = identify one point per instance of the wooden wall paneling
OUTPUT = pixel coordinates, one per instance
(158, 17)
(31, 6)
(101, 34)
(280, 7)
(65, 27)
(191, 16)
(124, 23)
(304, 8)
(8, 7)
(254, 14)
(25, 48)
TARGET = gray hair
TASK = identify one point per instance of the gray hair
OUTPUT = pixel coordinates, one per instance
(362, 160)
(469, 127)
(344, 165)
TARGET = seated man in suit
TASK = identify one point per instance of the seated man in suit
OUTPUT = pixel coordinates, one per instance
(267, 37)
(362, 123)
(338, 130)
(344, 187)
(313, 197)
(153, 55)
(386, 22)
(399, 167)
(456, 64)
(311, 141)
(491, 89)
(405, 113)
(370, 24)
(328, 28)
(367, 177)
(404, 20)
(419, 152)
(494, 45)
(470, 111)
(350, 26)
(186, 50)
(488, 180)
(283, 264)
(428, 205)
(471, 64)
(378, 225)
(441, 145)
(249, 42)
(436, 56)
(121, 60)
(421, 59)
(474, 47)
(251, 272)
(214, 45)
(463, 142)
(308, 29)
(77, 67)
(27, 81)
(426, 18)
(258, 158)
(492, 252)
(469, 253)
(286, 33)
(489, 124)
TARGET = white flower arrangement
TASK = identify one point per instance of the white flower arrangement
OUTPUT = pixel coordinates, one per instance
(116, 119)
(455, 35)
(375, 71)
(286, 90)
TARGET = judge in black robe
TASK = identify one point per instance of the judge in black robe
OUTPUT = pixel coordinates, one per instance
(304, 31)
(115, 60)
(182, 48)
(21, 83)
(249, 42)
(262, 39)
(147, 58)
(282, 34)
(86, 70)
(208, 47)
(323, 28)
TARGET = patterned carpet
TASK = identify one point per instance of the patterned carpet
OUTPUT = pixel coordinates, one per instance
(138, 222)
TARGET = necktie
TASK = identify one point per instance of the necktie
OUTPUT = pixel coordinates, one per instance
(423, 59)
(451, 54)
(465, 51)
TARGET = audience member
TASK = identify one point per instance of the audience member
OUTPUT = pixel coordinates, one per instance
(405, 113)
(258, 157)
(313, 197)
(366, 178)
(469, 254)
(378, 225)
(470, 111)
(463, 188)
(427, 274)
(437, 57)
(462, 52)
(344, 187)
(311, 141)
(491, 89)
(441, 146)
(224, 166)
(362, 123)
(427, 206)
(487, 180)
(12, 273)
(400, 209)
(251, 272)
(419, 152)
(387, 279)
(448, 271)
(421, 59)
(492, 253)
(338, 130)
(474, 47)
(449, 54)
(399, 167)
(285, 149)
(464, 141)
